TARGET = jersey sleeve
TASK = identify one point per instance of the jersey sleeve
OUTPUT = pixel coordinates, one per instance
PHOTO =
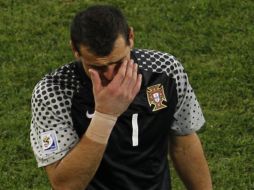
(52, 134)
(188, 116)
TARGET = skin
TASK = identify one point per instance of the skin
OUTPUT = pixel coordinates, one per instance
(189, 161)
(116, 82)
(114, 88)
(106, 66)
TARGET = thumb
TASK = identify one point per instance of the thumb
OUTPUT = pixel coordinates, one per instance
(96, 81)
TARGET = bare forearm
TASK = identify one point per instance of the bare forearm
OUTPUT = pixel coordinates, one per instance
(77, 169)
(191, 165)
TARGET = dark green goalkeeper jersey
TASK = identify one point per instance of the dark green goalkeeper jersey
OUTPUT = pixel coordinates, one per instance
(136, 154)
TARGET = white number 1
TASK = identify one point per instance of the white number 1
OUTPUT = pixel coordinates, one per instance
(135, 129)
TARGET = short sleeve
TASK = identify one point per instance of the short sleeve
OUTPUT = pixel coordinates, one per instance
(188, 116)
(52, 134)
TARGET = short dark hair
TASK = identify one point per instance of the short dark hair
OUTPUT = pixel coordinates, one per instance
(97, 28)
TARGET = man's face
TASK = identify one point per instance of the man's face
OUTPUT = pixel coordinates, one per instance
(106, 66)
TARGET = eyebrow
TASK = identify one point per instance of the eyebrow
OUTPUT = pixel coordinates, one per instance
(110, 63)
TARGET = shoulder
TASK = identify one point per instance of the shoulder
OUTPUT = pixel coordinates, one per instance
(54, 92)
(162, 64)
(63, 81)
(158, 62)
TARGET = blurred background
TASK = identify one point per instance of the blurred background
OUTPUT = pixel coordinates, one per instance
(213, 39)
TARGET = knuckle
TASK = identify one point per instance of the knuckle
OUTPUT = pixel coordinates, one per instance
(124, 94)
(132, 83)
(118, 92)
(111, 89)
(115, 93)
(130, 97)
(128, 76)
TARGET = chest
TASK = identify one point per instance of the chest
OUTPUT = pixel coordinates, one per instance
(147, 119)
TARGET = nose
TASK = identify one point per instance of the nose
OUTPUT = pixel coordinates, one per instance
(110, 72)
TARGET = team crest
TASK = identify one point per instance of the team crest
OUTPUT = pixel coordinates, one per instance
(156, 97)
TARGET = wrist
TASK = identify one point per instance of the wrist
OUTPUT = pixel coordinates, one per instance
(107, 112)
(100, 127)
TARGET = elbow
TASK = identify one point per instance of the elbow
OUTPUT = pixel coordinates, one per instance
(61, 184)
(67, 184)
(58, 185)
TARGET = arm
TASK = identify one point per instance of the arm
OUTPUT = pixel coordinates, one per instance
(78, 167)
(189, 161)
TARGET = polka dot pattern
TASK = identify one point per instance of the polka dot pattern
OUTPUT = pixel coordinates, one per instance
(51, 111)
(188, 114)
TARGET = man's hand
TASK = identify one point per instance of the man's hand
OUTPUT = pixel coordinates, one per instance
(115, 98)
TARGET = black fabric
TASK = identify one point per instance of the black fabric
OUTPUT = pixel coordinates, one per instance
(124, 166)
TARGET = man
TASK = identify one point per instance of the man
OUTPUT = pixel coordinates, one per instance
(108, 120)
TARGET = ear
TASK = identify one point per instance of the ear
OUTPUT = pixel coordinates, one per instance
(131, 37)
(74, 51)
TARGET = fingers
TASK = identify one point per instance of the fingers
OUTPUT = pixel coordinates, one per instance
(137, 85)
(118, 79)
(115, 97)
(134, 75)
(129, 74)
(132, 80)
(95, 80)
(127, 79)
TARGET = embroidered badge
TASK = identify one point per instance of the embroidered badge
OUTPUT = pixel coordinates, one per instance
(156, 97)
(49, 141)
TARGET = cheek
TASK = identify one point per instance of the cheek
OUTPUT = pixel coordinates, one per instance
(86, 69)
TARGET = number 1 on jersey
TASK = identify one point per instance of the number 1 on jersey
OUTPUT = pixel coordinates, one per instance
(135, 129)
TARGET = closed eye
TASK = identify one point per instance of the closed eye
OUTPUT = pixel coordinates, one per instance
(103, 68)
(99, 68)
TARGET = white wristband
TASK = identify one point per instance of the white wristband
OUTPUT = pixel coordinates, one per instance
(100, 127)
